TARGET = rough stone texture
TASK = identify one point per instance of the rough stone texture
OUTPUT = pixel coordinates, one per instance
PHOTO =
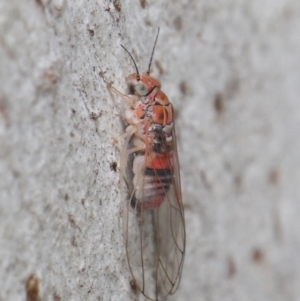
(231, 68)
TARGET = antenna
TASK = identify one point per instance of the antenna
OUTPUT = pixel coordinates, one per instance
(148, 71)
(136, 68)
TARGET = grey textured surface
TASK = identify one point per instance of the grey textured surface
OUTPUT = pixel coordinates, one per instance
(231, 68)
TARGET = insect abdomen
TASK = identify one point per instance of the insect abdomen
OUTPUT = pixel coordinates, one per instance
(157, 184)
(151, 193)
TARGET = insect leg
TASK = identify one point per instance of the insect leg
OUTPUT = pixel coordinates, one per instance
(129, 99)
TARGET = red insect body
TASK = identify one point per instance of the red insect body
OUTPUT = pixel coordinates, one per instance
(150, 182)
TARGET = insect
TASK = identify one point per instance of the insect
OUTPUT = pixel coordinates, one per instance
(154, 227)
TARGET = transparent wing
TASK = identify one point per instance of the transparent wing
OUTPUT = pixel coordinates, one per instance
(155, 237)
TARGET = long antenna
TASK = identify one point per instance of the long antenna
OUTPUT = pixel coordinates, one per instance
(148, 71)
(136, 68)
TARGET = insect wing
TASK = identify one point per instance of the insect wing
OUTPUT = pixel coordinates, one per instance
(154, 237)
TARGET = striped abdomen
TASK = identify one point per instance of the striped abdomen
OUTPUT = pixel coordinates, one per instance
(156, 186)
(151, 185)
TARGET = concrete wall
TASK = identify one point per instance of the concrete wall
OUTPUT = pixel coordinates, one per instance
(231, 68)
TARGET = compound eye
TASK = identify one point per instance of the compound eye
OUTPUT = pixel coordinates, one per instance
(141, 89)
